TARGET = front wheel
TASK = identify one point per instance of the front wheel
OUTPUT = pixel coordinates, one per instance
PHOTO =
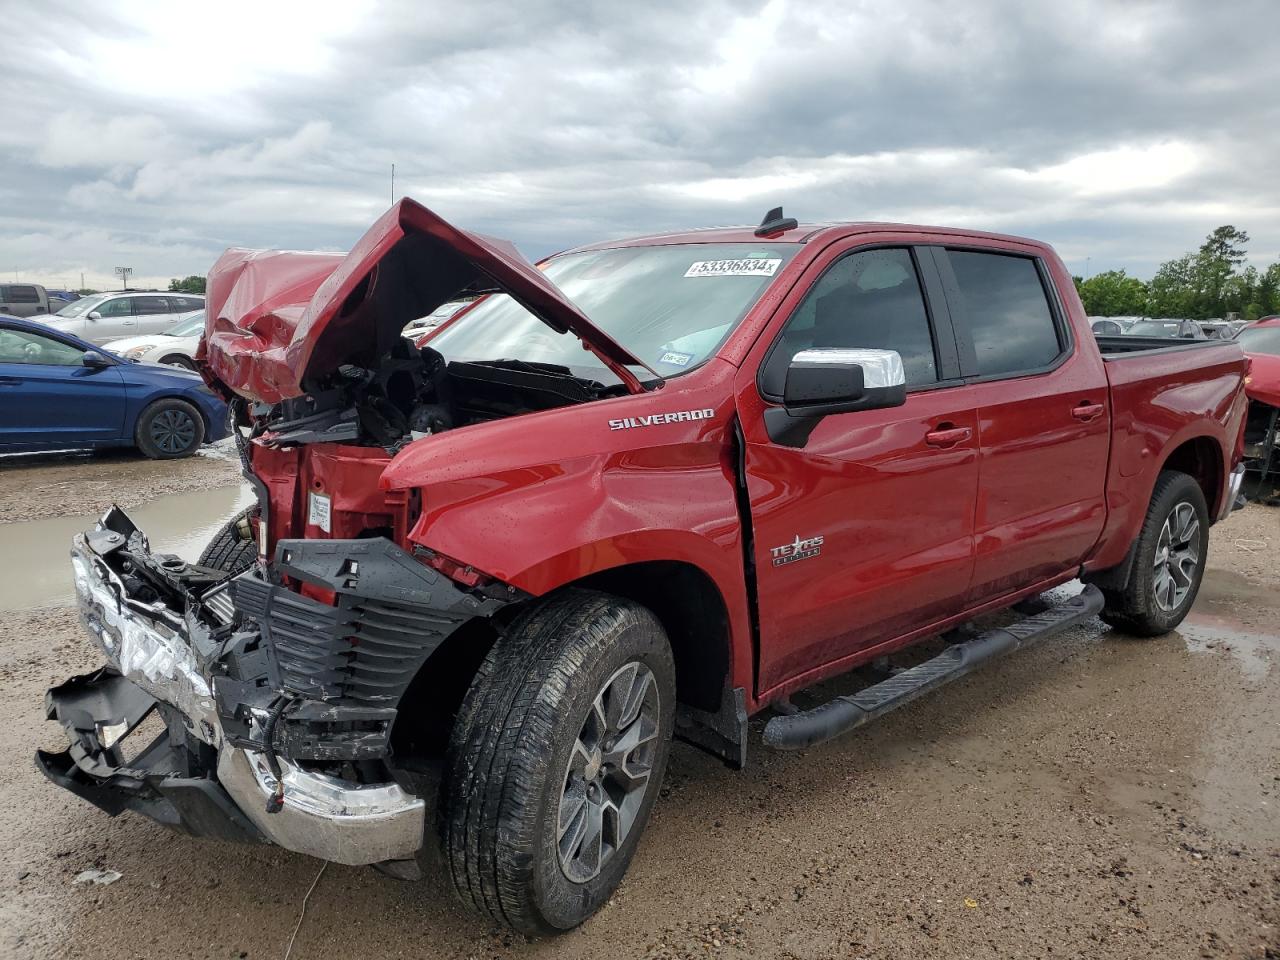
(169, 429)
(1168, 563)
(555, 760)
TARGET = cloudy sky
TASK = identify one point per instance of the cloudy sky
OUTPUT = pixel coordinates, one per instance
(155, 134)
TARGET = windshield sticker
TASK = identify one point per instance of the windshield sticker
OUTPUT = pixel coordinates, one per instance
(676, 359)
(734, 268)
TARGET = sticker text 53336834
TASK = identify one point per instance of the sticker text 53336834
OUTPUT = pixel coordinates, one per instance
(744, 267)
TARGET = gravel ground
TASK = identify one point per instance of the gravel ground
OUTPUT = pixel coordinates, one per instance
(1095, 796)
(51, 485)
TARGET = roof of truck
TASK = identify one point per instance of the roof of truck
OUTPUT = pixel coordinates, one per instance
(801, 233)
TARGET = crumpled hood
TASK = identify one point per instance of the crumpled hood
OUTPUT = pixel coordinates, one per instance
(278, 318)
(1264, 379)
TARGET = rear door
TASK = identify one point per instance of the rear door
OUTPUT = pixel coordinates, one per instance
(154, 314)
(866, 532)
(1045, 427)
(49, 398)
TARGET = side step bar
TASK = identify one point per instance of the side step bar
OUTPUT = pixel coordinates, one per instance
(799, 730)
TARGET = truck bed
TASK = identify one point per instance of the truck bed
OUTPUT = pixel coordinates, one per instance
(1111, 347)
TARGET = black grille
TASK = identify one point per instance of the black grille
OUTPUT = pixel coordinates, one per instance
(391, 614)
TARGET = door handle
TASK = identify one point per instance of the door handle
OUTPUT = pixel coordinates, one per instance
(1086, 410)
(10, 381)
(947, 436)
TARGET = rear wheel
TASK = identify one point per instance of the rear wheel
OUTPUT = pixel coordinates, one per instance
(232, 549)
(555, 761)
(1168, 562)
(169, 429)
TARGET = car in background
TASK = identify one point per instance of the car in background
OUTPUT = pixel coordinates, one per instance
(176, 347)
(1106, 327)
(23, 299)
(1261, 344)
(1167, 328)
(1220, 329)
(60, 392)
(435, 318)
(103, 317)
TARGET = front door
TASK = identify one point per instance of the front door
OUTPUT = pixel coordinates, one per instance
(49, 397)
(114, 321)
(865, 533)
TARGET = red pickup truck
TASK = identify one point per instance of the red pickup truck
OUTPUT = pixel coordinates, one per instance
(644, 491)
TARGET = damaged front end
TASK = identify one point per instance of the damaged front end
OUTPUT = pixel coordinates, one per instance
(262, 693)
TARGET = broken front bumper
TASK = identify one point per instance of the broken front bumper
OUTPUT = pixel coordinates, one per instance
(210, 673)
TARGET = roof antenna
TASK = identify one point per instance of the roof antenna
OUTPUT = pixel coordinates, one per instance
(775, 222)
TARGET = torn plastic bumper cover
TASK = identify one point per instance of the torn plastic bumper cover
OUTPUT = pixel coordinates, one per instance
(212, 656)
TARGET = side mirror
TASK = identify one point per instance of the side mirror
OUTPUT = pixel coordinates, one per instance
(94, 360)
(94, 315)
(826, 381)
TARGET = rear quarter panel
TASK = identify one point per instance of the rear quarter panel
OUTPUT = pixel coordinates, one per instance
(1160, 400)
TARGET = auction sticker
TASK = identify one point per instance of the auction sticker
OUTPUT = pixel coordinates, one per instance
(745, 267)
(676, 359)
(318, 511)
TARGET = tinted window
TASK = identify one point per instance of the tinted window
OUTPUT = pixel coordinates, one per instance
(183, 304)
(152, 305)
(870, 299)
(22, 294)
(119, 307)
(1007, 312)
(22, 346)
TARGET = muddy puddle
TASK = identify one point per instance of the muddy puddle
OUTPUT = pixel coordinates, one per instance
(37, 572)
(1252, 650)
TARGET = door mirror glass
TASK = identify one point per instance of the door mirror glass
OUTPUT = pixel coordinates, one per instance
(821, 382)
(94, 360)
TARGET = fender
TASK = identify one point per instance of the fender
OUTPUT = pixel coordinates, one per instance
(543, 500)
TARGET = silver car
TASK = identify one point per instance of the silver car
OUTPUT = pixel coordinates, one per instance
(112, 316)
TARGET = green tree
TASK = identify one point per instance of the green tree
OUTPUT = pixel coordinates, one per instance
(191, 284)
(1113, 293)
(1172, 291)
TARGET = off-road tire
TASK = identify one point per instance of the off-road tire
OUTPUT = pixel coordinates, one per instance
(230, 550)
(1133, 609)
(510, 748)
(144, 434)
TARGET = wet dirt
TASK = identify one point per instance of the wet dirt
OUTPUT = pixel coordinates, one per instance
(35, 486)
(1093, 796)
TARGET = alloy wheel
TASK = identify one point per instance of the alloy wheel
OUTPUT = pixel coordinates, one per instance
(609, 772)
(1177, 557)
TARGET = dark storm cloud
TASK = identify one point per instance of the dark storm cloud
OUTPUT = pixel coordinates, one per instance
(1120, 132)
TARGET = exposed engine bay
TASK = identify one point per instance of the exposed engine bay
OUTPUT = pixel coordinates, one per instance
(416, 392)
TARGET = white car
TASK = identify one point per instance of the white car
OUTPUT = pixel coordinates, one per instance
(103, 317)
(176, 347)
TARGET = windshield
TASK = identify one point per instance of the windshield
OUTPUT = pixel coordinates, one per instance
(188, 328)
(78, 308)
(1260, 340)
(670, 306)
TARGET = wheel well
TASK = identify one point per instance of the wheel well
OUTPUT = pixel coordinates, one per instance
(682, 597)
(1201, 459)
(692, 612)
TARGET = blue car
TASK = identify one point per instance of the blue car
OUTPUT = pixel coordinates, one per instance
(58, 392)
